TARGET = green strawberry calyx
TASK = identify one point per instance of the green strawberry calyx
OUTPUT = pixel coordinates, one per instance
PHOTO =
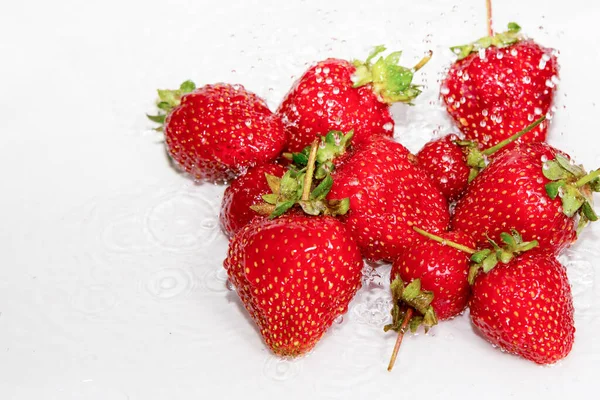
(502, 39)
(169, 99)
(477, 159)
(574, 186)
(411, 309)
(485, 260)
(301, 187)
(332, 145)
(391, 82)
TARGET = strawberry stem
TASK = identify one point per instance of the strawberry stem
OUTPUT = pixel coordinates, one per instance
(401, 332)
(423, 61)
(588, 178)
(514, 137)
(445, 242)
(310, 170)
(488, 8)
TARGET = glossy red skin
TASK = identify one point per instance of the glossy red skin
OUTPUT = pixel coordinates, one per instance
(498, 87)
(525, 307)
(323, 99)
(442, 270)
(244, 192)
(446, 163)
(295, 275)
(510, 194)
(388, 193)
(219, 131)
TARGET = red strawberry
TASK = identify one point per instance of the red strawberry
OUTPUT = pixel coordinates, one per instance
(446, 162)
(499, 85)
(442, 269)
(525, 307)
(388, 194)
(245, 192)
(337, 94)
(218, 131)
(534, 189)
(295, 274)
(453, 163)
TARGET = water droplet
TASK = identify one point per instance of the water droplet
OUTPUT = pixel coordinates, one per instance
(526, 80)
(319, 79)
(544, 158)
(320, 94)
(499, 55)
(248, 123)
(330, 103)
(328, 81)
(339, 319)
(229, 286)
(466, 76)
(388, 126)
(326, 70)
(450, 100)
(463, 100)
(514, 52)
(445, 90)
(537, 111)
(482, 123)
(549, 83)
(443, 179)
(336, 90)
(318, 70)
(530, 117)
(485, 113)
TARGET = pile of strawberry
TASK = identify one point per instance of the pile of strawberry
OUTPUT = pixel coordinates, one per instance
(474, 219)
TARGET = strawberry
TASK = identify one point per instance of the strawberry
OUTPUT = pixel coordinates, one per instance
(525, 307)
(388, 193)
(295, 274)
(453, 163)
(534, 189)
(442, 269)
(498, 85)
(217, 132)
(243, 193)
(342, 95)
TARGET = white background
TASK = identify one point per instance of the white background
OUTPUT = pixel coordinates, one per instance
(111, 284)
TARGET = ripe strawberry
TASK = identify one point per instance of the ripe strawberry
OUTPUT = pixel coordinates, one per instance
(525, 307)
(243, 193)
(453, 163)
(218, 131)
(295, 274)
(337, 94)
(534, 189)
(442, 269)
(388, 194)
(498, 85)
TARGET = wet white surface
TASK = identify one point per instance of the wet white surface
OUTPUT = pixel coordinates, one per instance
(111, 285)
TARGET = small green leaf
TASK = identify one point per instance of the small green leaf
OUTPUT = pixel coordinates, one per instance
(589, 212)
(572, 201)
(554, 171)
(462, 51)
(322, 188)
(475, 158)
(473, 172)
(299, 159)
(159, 119)
(552, 188)
(567, 165)
(583, 222)
(397, 288)
(270, 198)
(415, 323)
(505, 257)
(480, 256)
(490, 262)
(412, 290)
(595, 185)
(187, 86)
(509, 240)
(338, 207)
(517, 236)
(289, 185)
(429, 318)
(164, 106)
(281, 208)
(273, 182)
(513, 27)
(473, 271)
(312, 207)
